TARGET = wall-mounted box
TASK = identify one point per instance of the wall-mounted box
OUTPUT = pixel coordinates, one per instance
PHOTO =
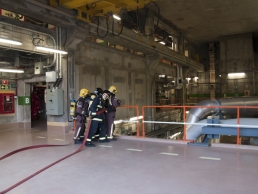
(38, 68)
(55, 101)
(6, 102)
(51, 76)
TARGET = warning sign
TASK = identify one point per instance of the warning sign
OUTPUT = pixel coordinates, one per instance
(5, 87)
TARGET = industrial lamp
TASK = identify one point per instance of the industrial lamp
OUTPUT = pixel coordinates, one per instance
(8, 41)
(12, 70)
(51, 50)
(236, 75)
(116, 17)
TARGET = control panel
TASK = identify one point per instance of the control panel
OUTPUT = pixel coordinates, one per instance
(55, 101)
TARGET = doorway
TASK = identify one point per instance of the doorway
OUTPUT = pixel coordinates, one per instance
(38, 106)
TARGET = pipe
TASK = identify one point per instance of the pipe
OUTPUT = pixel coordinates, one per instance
(54, 60)
(68, 88)
(195, 131)
(254, 76)
(55, 54)
(197, 114)
(179, 75)
(60, 56)
(152, 97)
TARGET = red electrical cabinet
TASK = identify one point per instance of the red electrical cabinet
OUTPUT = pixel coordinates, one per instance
(6, 102)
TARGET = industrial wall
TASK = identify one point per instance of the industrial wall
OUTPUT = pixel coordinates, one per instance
(236, 54)
(98, 65)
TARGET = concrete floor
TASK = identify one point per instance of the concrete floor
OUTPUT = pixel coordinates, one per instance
(114, 168)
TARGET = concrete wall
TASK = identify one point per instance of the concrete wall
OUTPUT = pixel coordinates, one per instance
(236, 54)
(102, 66)
(165, 69)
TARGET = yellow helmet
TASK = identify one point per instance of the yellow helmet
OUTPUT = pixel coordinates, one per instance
(113, 89)
(84, 92)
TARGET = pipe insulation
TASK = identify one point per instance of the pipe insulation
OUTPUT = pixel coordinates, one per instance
(196, 114)
(195, 131)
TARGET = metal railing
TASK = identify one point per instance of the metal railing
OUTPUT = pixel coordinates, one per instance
(238, 108)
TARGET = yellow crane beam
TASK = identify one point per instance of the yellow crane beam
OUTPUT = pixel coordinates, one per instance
(72, 4)
(89, 8)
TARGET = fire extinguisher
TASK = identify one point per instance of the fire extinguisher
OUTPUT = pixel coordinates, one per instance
(72, 108)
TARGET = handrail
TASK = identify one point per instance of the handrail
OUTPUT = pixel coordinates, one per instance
(137, 115)
(184, 116)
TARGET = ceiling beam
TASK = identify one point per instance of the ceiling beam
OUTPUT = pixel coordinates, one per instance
(128, 38)
(72, 4)
(34, 9)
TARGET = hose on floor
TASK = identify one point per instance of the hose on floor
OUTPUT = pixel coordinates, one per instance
(28, 148)
(31, 147)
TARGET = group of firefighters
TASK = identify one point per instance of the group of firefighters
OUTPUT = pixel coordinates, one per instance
(100, 107)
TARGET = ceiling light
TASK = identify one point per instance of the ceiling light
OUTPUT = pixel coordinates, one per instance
(10, 41)
(162, 42)
(116, 17)
(51, 50)
(12, 70)
(236, 75)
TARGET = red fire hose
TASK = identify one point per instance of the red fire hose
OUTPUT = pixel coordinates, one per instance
(40, 146)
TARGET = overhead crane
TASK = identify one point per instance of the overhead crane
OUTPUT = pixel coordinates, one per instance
(86, 9)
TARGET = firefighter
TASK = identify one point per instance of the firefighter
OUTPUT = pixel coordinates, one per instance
(82, 112)
(97, 92)
(112, 104)
(98, 120)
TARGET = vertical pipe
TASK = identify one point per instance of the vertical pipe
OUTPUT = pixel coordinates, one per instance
(137, 125)
(238, 128)
(143, 132)
(254, 90)
(60, 56)
(57, 55)
(152, 99)
(184, 123)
